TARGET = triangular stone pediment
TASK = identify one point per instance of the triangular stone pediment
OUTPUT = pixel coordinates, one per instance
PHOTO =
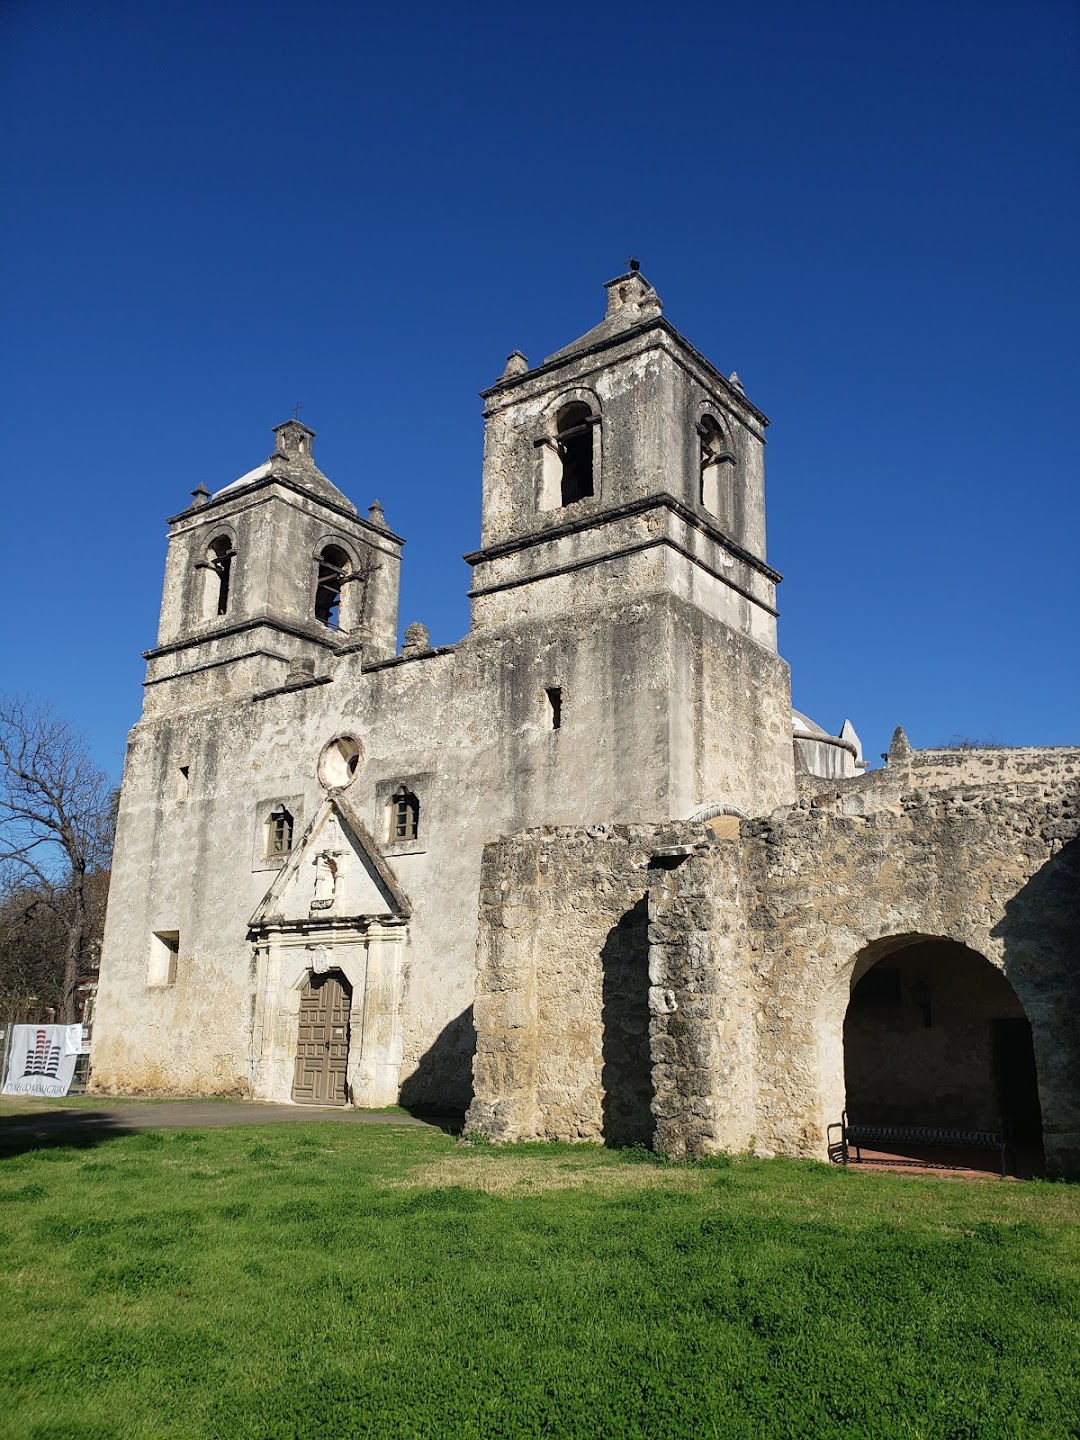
(335, 875)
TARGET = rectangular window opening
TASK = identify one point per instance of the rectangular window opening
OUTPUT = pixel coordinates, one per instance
(279, 835)
(554, 700)
(164, 951)
(404, 817)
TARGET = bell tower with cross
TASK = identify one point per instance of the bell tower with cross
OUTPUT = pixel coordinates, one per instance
(624, 480)
(271, 576)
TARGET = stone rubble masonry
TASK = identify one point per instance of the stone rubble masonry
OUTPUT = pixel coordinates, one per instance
(538, 1007)
(754, 943)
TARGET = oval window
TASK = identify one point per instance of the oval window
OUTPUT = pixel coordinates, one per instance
(340, 761)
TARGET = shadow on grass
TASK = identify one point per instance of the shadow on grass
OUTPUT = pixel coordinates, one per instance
(450, 1122)
(44, 1130)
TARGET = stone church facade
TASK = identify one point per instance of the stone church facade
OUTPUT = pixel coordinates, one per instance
(584, 872)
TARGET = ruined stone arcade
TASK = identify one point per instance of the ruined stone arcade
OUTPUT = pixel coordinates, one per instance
(752, 936)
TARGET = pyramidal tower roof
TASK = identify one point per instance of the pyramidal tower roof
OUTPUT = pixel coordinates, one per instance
(292, 460)
(633, 309)
(631, 301)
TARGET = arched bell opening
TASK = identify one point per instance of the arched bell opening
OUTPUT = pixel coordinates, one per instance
(935, 1037)
(216, 566)
(334, 568)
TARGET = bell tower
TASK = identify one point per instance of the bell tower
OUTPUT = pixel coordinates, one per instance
(271, 577)
(624, 480)
(626, 442)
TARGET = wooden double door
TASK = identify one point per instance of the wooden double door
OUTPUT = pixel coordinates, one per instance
(322, 1041)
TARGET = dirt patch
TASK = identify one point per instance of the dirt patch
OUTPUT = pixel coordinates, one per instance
(531, 1174)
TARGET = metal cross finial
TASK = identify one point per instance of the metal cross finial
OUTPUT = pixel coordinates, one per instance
(296, 410)
(634, 264)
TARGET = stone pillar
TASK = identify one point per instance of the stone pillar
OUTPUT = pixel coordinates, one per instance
(700, 1036)
(682, 1002)
(506, 1066)
(376, 1020)
(262, 1023)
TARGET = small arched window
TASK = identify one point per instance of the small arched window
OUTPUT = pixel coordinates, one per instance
(715, 454)
(574, 443)
(217, 564)
(404, 816)
(279, 833)
(333, 568)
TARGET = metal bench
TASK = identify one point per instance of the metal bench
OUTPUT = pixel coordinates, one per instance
(854, 1135)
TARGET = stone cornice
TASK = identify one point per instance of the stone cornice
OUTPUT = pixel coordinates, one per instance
(288, 689)
(256, 654)
(633, 332)
(589, 561)
(641, 506)
(223, 497)
(392, 660)
(313, 632)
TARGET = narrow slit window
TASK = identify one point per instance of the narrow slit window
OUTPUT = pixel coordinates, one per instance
(554, 708)
(404, 816)
(183, 781)
(574, 426)
(333, 568)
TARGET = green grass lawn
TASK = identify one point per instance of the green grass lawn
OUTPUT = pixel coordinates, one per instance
(328, 1280)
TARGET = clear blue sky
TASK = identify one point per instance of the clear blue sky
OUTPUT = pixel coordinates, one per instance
(868, 210)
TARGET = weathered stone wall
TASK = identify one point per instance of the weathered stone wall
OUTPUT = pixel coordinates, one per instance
(909, 770)
(702, 1024)
(991, 867)
(562, 986)
(1027, 764)
(755, 943)
(469, 730)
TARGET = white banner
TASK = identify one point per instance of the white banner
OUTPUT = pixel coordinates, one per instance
(42, 1059)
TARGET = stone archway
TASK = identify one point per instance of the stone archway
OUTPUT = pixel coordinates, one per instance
(934, 1035)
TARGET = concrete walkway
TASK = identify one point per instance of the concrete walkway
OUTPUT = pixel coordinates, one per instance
(44, 1118)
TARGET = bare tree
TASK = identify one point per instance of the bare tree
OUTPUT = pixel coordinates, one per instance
(57, 814)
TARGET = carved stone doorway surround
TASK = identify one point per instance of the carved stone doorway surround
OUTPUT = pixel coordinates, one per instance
(369, 954)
